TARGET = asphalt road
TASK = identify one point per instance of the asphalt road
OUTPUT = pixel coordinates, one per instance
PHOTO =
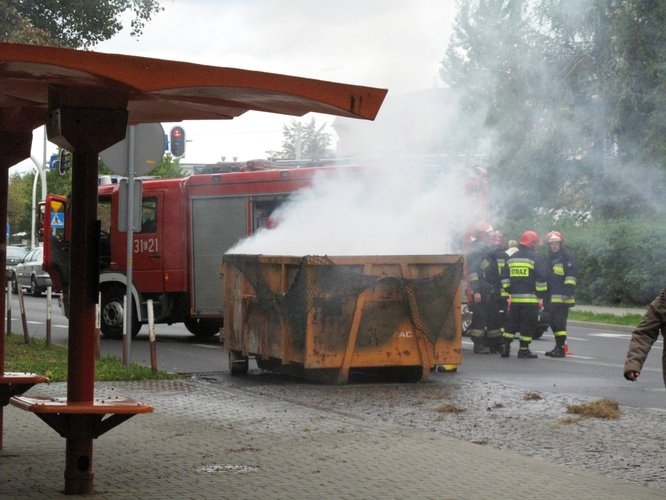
(177, 349)
(593, 368)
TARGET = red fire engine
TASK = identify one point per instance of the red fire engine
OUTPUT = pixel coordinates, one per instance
(187, 225)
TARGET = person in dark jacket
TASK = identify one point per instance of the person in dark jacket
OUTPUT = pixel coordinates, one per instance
(561, 270)
(484, 277)
(644, 336)
(525, 280)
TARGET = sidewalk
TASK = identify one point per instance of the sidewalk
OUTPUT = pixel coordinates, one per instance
(214, 440)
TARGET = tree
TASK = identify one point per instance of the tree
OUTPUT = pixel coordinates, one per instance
(168, 168)
(565, 96)
(19, 203)
(71, 23)
(307, 142)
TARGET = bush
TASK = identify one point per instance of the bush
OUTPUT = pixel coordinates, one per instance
(620, 262)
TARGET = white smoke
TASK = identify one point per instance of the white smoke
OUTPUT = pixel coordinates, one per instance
(386, 210)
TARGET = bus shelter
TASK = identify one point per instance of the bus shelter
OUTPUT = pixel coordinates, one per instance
(87, 100)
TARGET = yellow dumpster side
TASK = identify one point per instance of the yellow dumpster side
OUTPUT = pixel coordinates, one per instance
(322, 317)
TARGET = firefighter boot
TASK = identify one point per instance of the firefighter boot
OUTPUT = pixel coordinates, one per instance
(505, 350)
(558, 352)
(480, 347)
(479, 342)
(524, 351)
(494, 341)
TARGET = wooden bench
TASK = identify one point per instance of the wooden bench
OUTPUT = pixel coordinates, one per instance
(58, 412)
(13, 383)
(79, 423)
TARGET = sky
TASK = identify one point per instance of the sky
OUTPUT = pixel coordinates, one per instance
(392, 44)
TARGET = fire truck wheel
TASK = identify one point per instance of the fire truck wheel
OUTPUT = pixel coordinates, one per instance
(112, 314)
(202, 328)
(238, 364)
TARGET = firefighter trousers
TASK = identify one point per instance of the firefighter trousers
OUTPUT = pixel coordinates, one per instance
(557, 318)
(523, 318)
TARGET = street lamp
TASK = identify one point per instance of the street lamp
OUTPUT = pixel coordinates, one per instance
(41, 171)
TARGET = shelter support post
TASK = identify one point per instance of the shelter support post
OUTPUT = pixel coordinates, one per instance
(84, 131)
(14, 148)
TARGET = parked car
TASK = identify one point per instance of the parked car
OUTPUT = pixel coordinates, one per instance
(15, 255)
(29, 273)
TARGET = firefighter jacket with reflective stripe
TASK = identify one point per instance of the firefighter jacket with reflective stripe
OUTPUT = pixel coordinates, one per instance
(561, 278)
(484, 274)
(501, 257)
(525, 276)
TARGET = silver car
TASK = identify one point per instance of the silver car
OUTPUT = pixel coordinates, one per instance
(15, 255)
(29, 274)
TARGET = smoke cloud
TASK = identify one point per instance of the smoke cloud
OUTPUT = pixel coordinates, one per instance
(387, 210)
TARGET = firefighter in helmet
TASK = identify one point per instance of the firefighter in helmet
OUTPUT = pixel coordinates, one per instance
(501, 257)
(561, 270)
(484, 278)
(525, 280)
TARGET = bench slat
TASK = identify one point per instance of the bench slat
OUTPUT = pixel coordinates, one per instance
(22, 378)
(46, 405)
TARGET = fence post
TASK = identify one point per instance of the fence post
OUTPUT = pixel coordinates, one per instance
(98, 327)
(9, 308)
(48, 315)
(26, 335)
(151, 336)
(126, 361)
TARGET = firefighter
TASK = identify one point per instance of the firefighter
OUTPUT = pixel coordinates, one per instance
(526, 282)
(501, 257)
(484, 277)
(513, 247)
(561, 270)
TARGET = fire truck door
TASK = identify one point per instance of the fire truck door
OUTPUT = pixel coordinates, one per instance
(148, 245)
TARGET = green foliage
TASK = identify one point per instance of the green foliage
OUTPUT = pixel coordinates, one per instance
(619, 261)
(307, 142)
(71, 23)
(168, 168)
(565, 97)
(19, 203)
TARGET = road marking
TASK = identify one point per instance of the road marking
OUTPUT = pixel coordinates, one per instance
(207, 346)
(43, 323)
(612, 335)
(625, 336)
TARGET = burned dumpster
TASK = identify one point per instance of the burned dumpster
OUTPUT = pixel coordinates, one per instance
(321, 317)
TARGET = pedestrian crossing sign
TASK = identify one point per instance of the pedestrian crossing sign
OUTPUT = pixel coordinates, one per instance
(57, 220)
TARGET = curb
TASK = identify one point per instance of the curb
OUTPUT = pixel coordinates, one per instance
(602, 326)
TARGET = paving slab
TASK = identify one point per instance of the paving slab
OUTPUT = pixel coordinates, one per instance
(211, 440)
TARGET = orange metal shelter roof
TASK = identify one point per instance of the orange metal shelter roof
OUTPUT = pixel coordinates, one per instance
(164, 91)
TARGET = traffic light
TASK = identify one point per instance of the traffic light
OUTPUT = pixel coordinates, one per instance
(177, 141)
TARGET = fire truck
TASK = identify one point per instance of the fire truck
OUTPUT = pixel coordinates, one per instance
(187, 224)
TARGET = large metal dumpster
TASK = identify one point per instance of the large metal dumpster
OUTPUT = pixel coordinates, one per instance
(320, 317)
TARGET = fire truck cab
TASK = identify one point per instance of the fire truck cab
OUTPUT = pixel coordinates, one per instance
(187, 226)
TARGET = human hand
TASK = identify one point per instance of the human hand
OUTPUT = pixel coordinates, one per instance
(631, 375)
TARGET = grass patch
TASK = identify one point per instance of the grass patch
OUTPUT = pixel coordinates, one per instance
(610, 319)
(51, 361)
(608, 409)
